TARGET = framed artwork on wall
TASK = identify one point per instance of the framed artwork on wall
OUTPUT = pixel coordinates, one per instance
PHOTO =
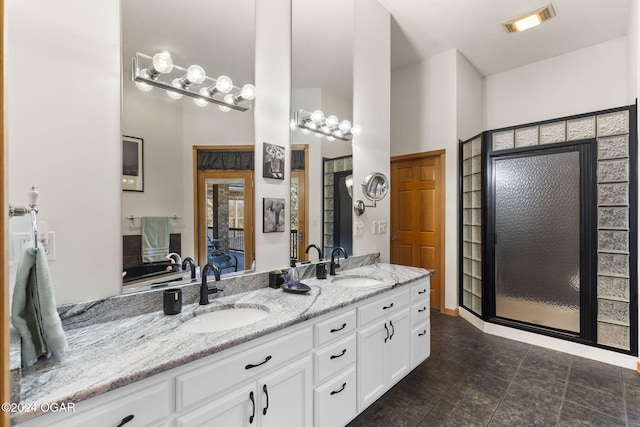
(132, 164)
(272, 215)
(273, 157)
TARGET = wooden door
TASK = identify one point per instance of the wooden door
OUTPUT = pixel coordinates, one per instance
(417, 216)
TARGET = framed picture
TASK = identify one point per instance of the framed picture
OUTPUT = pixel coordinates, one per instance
(272, 215)
(273, 156)
(132, 165)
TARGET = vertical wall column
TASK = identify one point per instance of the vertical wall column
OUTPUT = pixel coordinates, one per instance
(271, 115)
(371, 109)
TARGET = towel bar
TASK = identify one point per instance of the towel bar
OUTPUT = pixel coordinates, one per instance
(32, 209)
(132, 217)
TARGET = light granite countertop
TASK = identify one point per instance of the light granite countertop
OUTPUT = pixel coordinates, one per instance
(115, 353)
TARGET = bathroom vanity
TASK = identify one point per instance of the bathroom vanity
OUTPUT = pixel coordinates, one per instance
(316, 359)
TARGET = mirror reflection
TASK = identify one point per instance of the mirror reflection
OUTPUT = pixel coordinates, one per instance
(218, 37)
(322, 79)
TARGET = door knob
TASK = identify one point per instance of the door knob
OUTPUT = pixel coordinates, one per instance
(394, 238)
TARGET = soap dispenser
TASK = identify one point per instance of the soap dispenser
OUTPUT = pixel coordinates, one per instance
(294, 276)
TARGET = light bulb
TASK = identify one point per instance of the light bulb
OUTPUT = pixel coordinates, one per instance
(338, 134)
(199, 101)
(332, 121)
(175, 95)
(331, 138)
(229, 99)
(248, 92)
(195, 74)
(306, 131)
(317, 116)
(318, 135)
(326, 130)
(162, 62)
(312, 126)
(224, 84)
(345, 126)
(142, 85)
(224, 109)
(356, 130)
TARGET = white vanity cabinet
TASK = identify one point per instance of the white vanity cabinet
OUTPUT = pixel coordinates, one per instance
(383, 345)
(420, 322)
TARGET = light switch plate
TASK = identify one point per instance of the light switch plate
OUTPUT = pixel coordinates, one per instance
(357, 228)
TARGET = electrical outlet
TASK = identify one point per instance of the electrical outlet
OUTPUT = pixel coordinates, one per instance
(20, 240)
(382, 227)
(357, 228)
(49, 245)
(376, 227)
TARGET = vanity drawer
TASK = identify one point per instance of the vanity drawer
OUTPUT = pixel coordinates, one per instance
(335, 358)
(420, 312)
(421, 290)
(335, 327)
(420, 343)
(336, 401)
(206, 382)
(382, 307)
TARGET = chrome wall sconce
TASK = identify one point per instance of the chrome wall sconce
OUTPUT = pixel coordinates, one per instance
(159, 71)
(374, 187)
(330, 127)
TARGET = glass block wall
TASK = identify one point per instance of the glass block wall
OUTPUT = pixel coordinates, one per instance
(611, 130)
(471, 225)
(331, 166)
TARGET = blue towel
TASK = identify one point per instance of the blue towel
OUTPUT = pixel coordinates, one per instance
(155, 238)
(33, 309)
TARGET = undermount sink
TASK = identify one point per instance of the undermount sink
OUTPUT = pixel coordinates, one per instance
(224, 320)
(356, 282)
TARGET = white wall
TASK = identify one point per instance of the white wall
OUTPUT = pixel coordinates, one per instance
(371, 108)
(469, 98)
(62, 81)
(589, 79)
(272, 109)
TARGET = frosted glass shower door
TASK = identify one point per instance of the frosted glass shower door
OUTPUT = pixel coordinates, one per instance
(537, 239)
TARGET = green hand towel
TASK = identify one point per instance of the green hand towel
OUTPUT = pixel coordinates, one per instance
(155, 238)
(33, 309)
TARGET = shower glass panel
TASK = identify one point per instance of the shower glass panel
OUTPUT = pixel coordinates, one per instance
(537, 240)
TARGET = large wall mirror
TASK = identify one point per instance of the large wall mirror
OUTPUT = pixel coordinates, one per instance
(217, 35)
(322, 79)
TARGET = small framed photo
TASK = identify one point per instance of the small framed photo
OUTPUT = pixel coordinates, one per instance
(132, 164)
(272, 215)
(273, 156)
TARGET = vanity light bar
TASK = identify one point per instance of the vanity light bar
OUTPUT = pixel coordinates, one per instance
(328, 126)
(191, 89)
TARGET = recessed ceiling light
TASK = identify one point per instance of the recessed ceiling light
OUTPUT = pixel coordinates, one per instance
(531, 19)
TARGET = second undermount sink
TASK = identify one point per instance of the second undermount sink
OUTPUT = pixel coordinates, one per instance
(224, 319)
(356, 282)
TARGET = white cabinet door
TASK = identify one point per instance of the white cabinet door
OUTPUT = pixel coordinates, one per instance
(335, 400)
(397, 349)
(420, 343)
(236, 409)
(286, 396)
(371, 379)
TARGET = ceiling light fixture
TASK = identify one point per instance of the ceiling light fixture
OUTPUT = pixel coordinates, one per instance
(529, 20)
(329, 126)
(159, 71)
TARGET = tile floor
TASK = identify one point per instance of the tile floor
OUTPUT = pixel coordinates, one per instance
(473, 379)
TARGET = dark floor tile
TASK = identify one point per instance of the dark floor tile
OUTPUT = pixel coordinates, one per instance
(532, 399)
(597, 375)
(501, 362)
(516, 415)
(631, 377)
(478, 389)
(540, 382)
(632, 404)
(393, 409)
(601, 401)
(445, 415)
(575, 415)
(427, 381)
(548, 362)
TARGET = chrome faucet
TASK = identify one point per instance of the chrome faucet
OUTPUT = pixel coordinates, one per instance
(321, 268)
(204, 288)
(334, 264)
(192, 266)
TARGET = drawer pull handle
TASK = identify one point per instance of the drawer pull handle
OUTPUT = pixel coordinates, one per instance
(387, 306)
(339, 355)
(266, 393)
(393, 329)
(422, 292)
(266, 359)
(344, 325)
(253, 405)
(423, 333)
(386, 329)
(125, 420)
(422, 309)
(338, 391)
